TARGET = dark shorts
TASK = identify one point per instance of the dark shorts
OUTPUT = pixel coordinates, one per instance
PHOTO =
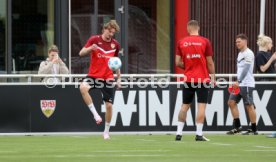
(246, 93)
(106, 87)
(190, 89)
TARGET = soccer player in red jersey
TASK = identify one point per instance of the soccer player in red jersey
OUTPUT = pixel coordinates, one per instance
(101, 48)
(194, 55)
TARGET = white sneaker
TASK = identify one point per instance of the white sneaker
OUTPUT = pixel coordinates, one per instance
(106, 136)
(98, 119)
(201, 138)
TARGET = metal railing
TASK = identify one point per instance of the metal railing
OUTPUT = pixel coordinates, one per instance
(69, 78)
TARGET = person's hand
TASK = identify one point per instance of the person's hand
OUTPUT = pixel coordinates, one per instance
(273, 56)
(93, 47)
(56, 60)
(236, 85)
(213, 84)
(60, 61)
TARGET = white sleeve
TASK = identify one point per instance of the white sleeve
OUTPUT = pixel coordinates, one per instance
(249, 58)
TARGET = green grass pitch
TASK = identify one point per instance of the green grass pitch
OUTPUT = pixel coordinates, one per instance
(137, 148)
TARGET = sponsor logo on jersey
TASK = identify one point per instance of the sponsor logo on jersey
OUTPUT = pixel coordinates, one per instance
(196, 56)
(186, 44)
(193, 56)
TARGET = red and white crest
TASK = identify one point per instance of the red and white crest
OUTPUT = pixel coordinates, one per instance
(48, 107)
(113, 45)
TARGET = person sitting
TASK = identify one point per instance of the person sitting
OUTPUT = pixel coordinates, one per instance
(52, 65)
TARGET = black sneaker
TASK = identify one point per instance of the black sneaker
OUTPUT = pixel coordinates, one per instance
(201, 138)
(178, 137)
(234, 131)
(250, 132)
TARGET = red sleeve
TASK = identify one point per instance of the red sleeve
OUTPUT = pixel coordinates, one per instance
(117, 50)
(91, 41)
(178, 49)
(209, 49)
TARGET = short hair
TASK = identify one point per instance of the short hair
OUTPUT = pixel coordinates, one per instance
(53, 48)
(112, 24)
(193, 23)
(263, 40)
(242, 36)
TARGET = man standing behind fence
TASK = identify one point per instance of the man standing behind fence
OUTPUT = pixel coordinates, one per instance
(194, 55)
(246, 83)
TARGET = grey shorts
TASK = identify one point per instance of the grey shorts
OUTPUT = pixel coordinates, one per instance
(246, 93)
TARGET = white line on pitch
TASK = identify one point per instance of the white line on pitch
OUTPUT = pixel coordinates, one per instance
(79, 136)
(122, 155)
(118, 151)
(145, 140)
(6, 152)
(260, 150)
(222, 144)
(266, 147)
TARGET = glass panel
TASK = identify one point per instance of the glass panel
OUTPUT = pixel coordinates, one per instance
(2, 36)
(106, 13)
(82, 25)
(149, 36)
(81, 29)
(32, 33)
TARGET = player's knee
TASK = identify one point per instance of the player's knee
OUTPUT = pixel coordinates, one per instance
(108, 105)
(231, 103)
(83, 88)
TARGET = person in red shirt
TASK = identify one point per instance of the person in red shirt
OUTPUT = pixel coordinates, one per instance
(194, 55)
(101, 48)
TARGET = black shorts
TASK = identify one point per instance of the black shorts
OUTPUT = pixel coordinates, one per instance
(106, 87)
(190, 89)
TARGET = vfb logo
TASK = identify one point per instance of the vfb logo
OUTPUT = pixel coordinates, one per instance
(48, 107)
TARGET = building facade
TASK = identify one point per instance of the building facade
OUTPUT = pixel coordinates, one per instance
(150, 30)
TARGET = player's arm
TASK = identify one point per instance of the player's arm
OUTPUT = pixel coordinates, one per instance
(244, 72)
(118, 72)
(264, 67)
(85, 51)
(249, 59)
(209, 59)
(211, 68)
(179, 62)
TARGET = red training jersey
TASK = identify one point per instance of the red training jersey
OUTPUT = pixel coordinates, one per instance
(194, 50)
(99, 58)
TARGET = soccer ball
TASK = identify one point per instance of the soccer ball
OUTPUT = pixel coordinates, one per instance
(114, 63)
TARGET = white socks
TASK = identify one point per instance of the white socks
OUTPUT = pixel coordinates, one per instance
(93, 110)
(199, 127)
(107, 127)
(180, 126)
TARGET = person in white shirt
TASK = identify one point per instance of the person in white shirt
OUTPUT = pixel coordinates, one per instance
(246, 83)
(52, 65)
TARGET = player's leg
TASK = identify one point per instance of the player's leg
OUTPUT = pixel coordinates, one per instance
(249, 104)
(202, 98)
(108, 95)
(84, 89)
(188, 95)
(232, 103)
(108, 116)
(181, 120)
